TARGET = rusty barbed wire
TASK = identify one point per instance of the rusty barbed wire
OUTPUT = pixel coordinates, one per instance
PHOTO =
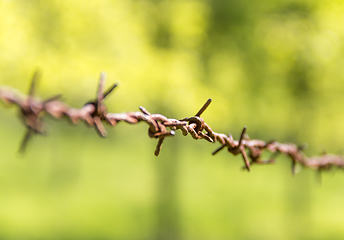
(94, 113)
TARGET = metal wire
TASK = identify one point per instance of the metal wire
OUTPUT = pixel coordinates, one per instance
(94, 113)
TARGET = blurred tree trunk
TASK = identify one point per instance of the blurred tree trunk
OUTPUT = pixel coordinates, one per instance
(167, 202)
(298, 204)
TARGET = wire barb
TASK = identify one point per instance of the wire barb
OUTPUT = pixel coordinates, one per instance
(205, 106)
(94, 113)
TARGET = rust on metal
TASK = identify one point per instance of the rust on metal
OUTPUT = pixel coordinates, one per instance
(94, 113)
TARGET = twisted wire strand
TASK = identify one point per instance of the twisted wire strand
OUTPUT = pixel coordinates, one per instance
(94, 113)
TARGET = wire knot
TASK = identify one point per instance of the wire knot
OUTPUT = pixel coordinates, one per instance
(99, 113)
(156, 129)
(238, 147)
(196, 125)
(30, 110)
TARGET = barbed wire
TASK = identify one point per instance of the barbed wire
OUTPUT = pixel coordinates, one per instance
(94, 113)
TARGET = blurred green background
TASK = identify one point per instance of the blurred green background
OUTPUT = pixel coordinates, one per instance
(274, 66)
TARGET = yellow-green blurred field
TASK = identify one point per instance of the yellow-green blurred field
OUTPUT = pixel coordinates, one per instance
(273, 66)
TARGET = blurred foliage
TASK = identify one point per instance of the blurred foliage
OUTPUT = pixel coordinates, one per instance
(274, 66)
